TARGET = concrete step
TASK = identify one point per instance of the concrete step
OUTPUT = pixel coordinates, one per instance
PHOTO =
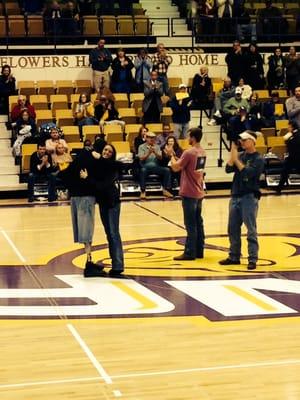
(9, 180)
(13, 187)
(10, 170)
(6, 151)
(4, 143)
(5, 134)
(6, 161)
(3, 118)
(180, 41)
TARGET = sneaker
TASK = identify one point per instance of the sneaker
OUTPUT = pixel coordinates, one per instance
(92, 269)
(116, 274)
(218, 114)
(229, 261)
(183, 257)
(251, 266)
(168, 194)
(212, 122)
(143, 196)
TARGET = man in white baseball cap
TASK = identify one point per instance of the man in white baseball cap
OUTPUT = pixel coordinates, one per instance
(247, 167)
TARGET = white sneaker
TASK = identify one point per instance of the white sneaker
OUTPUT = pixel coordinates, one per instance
(212, 122)
(218, 114)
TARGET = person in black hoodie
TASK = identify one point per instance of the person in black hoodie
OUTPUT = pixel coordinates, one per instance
(104, 181)
(292, 161)
(83, 202)
(7, 88)
(254, 75)
(276, 71)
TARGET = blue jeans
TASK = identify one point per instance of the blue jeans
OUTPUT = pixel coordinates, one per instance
(243, 210)
(110, 218)
(157, 170)
(87, 121)
(193, 222)
(51, 178)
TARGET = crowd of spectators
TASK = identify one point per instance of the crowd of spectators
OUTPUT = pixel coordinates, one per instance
(237, 105)
(227, 18)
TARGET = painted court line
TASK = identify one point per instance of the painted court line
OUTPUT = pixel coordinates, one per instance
(104, 375)
(12, 245)
(159, 373)
(208, 369)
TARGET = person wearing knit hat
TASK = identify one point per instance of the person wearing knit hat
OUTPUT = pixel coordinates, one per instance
(247, 167)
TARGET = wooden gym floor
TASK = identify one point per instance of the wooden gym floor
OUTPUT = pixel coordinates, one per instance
(172, 331)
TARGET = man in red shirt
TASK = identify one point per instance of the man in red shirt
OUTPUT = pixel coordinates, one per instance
(191, 165)
(22, 105)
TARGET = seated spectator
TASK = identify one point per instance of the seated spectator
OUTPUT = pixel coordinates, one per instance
(150, 157)
(41, 169)
(84, 112)
(33, 6)
(25, 129)
(54, 140)
(292, 161)
(180, 105)
(246, 89)
(271, 21)
(293, 107)
(121, 79)
(239, 123)
(103, 92)
(224, 12)
(23, 104)
(256, 111)
(7, 88)
(105, 7)
(161, 139)
(52, 17)
(275, 74)
(61, 158)
(140, 138)
(70, 19)
(99, 143)
(143, 66)
(206, 16)
(125, 7)
(169, 149)
(244, 26)
(269, 111)
(106, 113)
(233, 105)
(152, 104)
(225, 94)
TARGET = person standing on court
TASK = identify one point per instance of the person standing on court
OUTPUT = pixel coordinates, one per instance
(247, 167)
(100, 59)
(83, 202)
(191, 165)
(104, 180)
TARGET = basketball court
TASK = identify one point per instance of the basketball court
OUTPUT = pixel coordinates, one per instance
(172, 330)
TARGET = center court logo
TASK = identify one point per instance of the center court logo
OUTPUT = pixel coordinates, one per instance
(162, 287)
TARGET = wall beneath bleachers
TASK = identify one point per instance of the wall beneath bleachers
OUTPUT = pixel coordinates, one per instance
(72, 67)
